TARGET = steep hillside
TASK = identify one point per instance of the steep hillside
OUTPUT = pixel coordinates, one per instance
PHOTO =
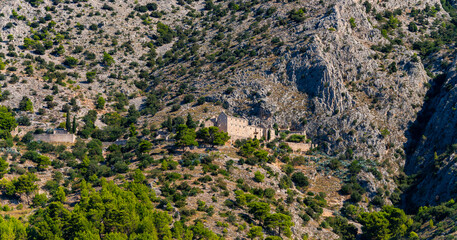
(371, 82)
(343, 70)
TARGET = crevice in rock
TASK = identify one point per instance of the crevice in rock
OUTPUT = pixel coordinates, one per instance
(417, 128)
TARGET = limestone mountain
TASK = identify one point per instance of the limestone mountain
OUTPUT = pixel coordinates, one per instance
(370, 82)
(345, 71)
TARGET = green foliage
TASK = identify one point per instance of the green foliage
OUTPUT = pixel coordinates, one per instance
(107, 60)
(355, 167)
(258, 176)
(389, 223)
(412, 27)
(437, 213)
(90, 76)
(42, 161)
(188, 98)
(11, 228)
(300, 180)
(166, 35)
(145, 146)
(297, 15)
(352, 22)
(73, 125)
(70, 61)
(68, 122)
(39, 200)
(152, 105)
(255, 232)
(341, 227)
(59, 195)
(190, 122)
(413, 236)
(285, 182)
(2, 65)
(249, 147)
(334, 164)
(296, 138)
(279, 222)
(25, 104)
(113, 212)
(213, 136)
(185, 136)
(259, 210)
(17, 186)
(35, 3)
(100, 103)
(7, 122)
(3, 167)
(354, 189)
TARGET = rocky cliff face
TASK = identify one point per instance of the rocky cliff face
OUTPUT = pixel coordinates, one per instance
(346, 88)
(335, 80)
(433, 152)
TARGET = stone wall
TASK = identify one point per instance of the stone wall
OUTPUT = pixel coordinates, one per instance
(55, 138)
(211, 122)
(222, 122)
(300, 147)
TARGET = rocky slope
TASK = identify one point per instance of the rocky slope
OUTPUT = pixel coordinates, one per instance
(343, 70)
(339, 87)
(340, 83)
(433, 158)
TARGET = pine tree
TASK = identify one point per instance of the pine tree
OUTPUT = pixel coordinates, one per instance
(185, 136)
(100, 103)
(25, 104)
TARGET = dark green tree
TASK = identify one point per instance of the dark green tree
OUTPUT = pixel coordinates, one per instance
(3, 167)
(389, 223)
(7, 122)
(185, 136)
(255, 232)
(190, 122)
(145, 146)
(25, 104)
(281, 222)
(70, 61)
(213, 136)
(341, 227)
(68, 122)
(108, 60)
(300, 179)
(168, 124)
(73, 125)
(100, 103)
(259, 210)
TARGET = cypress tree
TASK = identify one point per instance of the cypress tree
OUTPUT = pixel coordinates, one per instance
(190, 122)
(73, 128)
(67, 122)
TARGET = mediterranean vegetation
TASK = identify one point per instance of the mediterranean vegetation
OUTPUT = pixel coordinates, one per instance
(147, 163)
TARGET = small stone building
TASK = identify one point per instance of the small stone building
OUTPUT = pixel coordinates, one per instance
(56, 136)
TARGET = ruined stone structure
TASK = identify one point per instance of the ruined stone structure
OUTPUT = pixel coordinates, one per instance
(56, 136)
(238, 128)
(300, 147)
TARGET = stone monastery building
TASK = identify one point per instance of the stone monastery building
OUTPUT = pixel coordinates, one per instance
(238, 128)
